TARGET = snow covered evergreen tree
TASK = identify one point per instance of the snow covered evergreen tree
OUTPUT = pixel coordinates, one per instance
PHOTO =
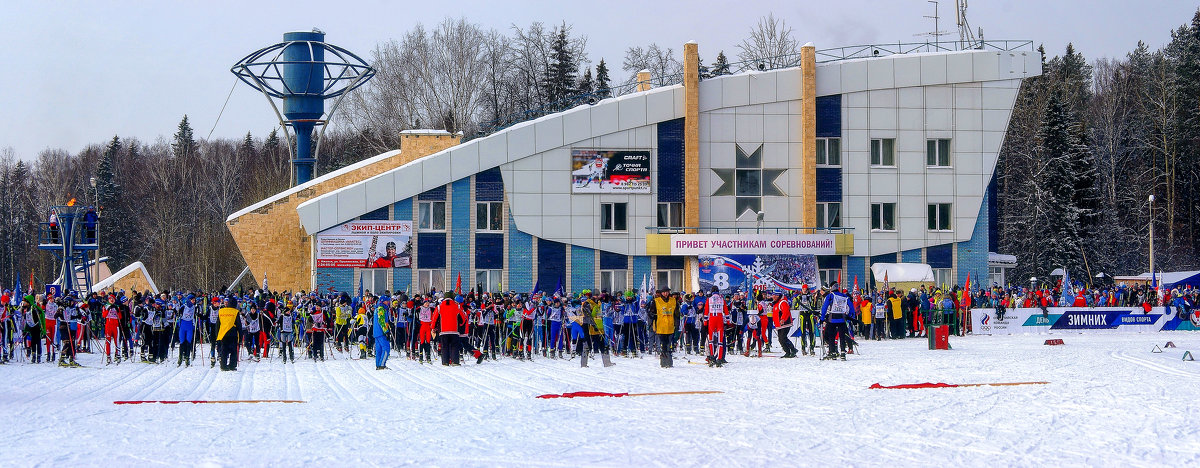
(602, 80)
(559, 81)
(1059, 240)
(117, 241)
(586, 84)
(721, 65)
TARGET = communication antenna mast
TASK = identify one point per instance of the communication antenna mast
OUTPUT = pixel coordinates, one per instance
(936, 33)
(965, 35)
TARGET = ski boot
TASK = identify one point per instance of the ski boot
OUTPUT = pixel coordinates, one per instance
(710, 361)
(605, 358)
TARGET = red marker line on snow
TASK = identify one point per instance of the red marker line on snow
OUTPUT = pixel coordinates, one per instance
(618, 395)
(946, 385)
(199, 402)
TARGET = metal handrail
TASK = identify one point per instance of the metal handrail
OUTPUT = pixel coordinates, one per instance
(757, 229)
(621, 89)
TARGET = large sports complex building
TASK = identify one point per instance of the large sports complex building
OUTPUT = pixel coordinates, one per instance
(820, 170)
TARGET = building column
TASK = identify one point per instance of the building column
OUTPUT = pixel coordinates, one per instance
(808, 135)
(691, 144)
(691, 135)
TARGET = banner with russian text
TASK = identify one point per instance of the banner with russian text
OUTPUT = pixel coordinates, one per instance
(1077, 319)
(610, 171)
(759, 244)
(366, 244)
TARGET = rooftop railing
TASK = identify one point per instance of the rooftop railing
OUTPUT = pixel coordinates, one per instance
(761, 64)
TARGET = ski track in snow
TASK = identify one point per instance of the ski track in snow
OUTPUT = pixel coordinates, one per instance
(1109, 402)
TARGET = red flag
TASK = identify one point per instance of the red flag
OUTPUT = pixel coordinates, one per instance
(458, 285)
(885, 280)
(839, 281)
(30, 283)
(855, 283)
(967, 293)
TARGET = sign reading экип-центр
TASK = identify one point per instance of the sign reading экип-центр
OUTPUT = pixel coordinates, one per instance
(759, 244)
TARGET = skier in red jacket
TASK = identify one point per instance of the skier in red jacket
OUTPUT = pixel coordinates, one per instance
(782, 315)
(715, 312)
(447, 316)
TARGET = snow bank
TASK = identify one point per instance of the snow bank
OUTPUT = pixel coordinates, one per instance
(1110, 402)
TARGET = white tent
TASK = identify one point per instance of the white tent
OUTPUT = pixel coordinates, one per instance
(903, 275)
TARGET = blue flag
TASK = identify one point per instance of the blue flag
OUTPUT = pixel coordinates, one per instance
(558, 291)
(1066, 301)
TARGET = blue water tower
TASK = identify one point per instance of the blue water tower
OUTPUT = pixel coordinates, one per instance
(302, 72)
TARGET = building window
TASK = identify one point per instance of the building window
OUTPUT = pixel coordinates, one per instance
(489, 216)
(487, 280)
(829, 215)
(612, 217)
(828, 277)
(883, 216)
(748, 183)
(937, 153)
(428, 280)
(883, 152)
(996, 275)
(612, 280)
(670, 215)
(669, 279)
(829, 152)
(942, 278)
(374, 280)
(939, 217)
(431, 215)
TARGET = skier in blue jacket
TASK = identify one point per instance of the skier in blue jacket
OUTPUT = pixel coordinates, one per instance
(380, 331)
(835, 310)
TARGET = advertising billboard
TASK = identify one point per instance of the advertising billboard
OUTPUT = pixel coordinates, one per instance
(366, 244)
(731, 273)
(610, 171)
(1077, 319)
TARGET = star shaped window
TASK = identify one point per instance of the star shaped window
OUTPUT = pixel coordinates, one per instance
(748, 182)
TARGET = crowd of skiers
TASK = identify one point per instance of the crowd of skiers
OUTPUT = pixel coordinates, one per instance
(233, 327)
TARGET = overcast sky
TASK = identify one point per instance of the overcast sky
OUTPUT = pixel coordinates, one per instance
(76, 73)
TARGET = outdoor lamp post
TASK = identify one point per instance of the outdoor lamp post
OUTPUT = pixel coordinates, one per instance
(761, 215)
(1152, 237)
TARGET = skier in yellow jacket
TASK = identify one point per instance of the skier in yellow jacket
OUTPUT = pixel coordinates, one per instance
(665, 313)
(228, 333)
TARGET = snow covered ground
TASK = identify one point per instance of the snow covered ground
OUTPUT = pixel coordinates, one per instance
(1110, 402)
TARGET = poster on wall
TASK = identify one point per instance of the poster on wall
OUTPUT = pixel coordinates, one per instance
(733, 273)
(366, 244)
(610, 171)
